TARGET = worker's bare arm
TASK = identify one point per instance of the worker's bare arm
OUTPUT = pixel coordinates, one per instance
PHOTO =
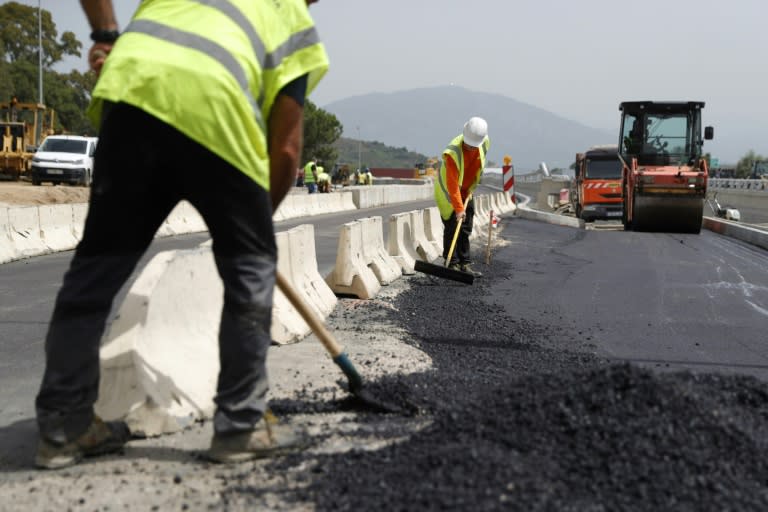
(100, 14)
(101, 17)
(286, 124)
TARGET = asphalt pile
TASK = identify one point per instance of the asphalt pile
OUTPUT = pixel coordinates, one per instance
(521, 418)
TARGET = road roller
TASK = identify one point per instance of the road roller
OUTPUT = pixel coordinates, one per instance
(664, 170)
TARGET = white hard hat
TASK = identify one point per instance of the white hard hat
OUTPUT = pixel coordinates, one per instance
(475, 131)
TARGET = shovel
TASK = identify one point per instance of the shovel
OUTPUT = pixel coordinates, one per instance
(354, 380)
(444, 271)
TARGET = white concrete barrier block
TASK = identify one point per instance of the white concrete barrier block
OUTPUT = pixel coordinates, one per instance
(25, 232)
(56, 227)
(184, 219)
(433, 228)
(79, 214)
(287, 324)
(7, 248)
(381, 263)
(399, 242)
(351, 274)
(159, 360)
(425, 249)
(347, 202)
(304, 273)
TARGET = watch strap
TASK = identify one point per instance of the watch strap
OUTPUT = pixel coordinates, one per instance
(105, 36)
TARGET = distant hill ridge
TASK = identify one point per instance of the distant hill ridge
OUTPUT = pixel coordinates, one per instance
(425, 120)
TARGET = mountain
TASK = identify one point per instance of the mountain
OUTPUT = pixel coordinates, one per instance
(363, 153)
(425, 120)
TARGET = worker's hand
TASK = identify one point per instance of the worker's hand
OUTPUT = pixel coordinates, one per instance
(460, 217)
(97, 55)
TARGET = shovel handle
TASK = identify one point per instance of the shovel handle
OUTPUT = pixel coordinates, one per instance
(456, 233)
(309, 316)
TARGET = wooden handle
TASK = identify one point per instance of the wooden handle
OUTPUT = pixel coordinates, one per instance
(309, 316)
(456, 233)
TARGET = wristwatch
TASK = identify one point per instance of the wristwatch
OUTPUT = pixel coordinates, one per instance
(105, 36)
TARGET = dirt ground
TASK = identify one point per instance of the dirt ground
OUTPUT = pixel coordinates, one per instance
(22, 193)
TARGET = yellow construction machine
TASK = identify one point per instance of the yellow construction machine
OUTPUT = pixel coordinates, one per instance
(430, 168)
(23, 127)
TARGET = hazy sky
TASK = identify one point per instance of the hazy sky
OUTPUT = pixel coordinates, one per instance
(577, 59)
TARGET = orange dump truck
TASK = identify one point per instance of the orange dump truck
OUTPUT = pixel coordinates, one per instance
(596, 191)
(664, 176)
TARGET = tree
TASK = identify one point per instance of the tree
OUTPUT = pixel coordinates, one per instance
(746, 164)
(321, 130)
(18, 33)
(66, 93)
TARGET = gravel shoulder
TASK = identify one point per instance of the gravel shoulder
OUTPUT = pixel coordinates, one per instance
(22, 193)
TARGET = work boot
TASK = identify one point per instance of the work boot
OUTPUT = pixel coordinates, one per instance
(466, 268)
(454, 266)
(265, 440)
(101, 438)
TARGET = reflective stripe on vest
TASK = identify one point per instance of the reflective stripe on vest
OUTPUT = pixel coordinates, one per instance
(203, 45)
(217, 91)
(453, 151)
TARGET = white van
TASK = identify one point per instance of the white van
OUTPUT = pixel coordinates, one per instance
(64, 159)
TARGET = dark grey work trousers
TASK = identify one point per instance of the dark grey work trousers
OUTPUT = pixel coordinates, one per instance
(143, 168)
(461, 253)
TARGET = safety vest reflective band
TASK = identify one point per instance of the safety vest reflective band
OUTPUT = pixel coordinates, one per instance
(453, 151)
(212, 69)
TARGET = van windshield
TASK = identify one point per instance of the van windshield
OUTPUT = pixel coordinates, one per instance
(603, 169)
(64, 146)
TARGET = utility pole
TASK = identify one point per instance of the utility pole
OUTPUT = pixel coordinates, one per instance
(359, 144)
(40, 51)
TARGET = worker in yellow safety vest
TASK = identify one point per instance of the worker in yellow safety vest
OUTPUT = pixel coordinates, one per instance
(323, 180)
(462, 167)
(196, 101)
(310, 176)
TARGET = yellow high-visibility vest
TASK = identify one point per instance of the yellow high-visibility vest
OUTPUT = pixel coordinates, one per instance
(308, 176)
(442, 197)
(212, 70)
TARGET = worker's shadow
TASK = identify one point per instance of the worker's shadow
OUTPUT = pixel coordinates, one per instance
(18, 444)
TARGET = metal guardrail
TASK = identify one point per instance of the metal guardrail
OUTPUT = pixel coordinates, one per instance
(718, 183)
(736, 184)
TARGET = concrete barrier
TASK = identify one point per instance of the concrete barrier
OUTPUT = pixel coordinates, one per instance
(56, 227)
(184, 218)
(550, 218)
(79, 213)
(367, 197)
(7, 249)
(425, 249)
(735, 230)
(379, 260)
(351, 274)
(159, 360)
(400, 242)
(303, 273)
(25, 232)
(287, 324)
(433, 228)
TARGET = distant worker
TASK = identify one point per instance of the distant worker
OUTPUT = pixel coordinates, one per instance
(361, 177)
(310, 176)
(368, 176)
(167, 86)
(300, 177)
(460, 172)
(323, 180)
